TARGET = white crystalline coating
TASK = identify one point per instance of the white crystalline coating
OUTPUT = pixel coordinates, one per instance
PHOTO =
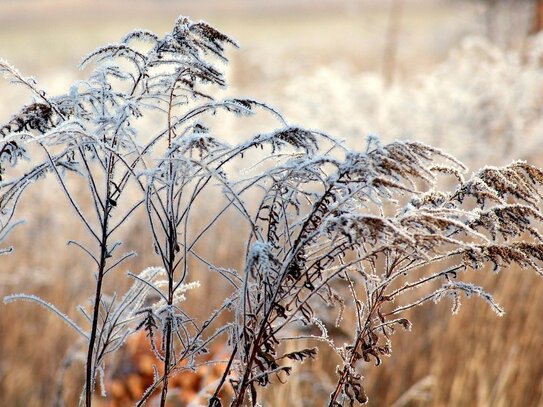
(470, 289)
(50, 307)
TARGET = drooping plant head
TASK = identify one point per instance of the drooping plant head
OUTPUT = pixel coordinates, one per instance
(355, 232)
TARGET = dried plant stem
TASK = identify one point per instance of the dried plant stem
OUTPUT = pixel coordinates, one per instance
(171, 245)
(104, 254)
(168, 350)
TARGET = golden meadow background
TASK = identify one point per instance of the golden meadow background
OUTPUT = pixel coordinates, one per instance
(464, 75)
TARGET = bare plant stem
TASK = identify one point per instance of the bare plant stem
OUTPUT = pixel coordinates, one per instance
(164, 393)
(171, 241)
(359, 341)
(104, 254)
(96, 310)
(169, 322)
(337, 390)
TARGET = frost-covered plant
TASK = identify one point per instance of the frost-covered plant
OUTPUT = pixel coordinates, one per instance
(339, 229)
(355, 236)
(92, 132)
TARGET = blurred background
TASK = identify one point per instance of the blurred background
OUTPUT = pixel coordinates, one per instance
(466, 76)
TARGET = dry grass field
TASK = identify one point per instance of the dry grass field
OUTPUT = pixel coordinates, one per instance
(470, 359)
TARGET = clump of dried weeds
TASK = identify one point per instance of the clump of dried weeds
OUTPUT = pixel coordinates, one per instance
(330, 230)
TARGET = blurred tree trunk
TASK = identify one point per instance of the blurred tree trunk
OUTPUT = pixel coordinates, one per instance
(537, 24)
(391, 41)
(490, 17)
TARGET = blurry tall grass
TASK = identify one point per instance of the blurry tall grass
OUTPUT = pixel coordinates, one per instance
(469, 359)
